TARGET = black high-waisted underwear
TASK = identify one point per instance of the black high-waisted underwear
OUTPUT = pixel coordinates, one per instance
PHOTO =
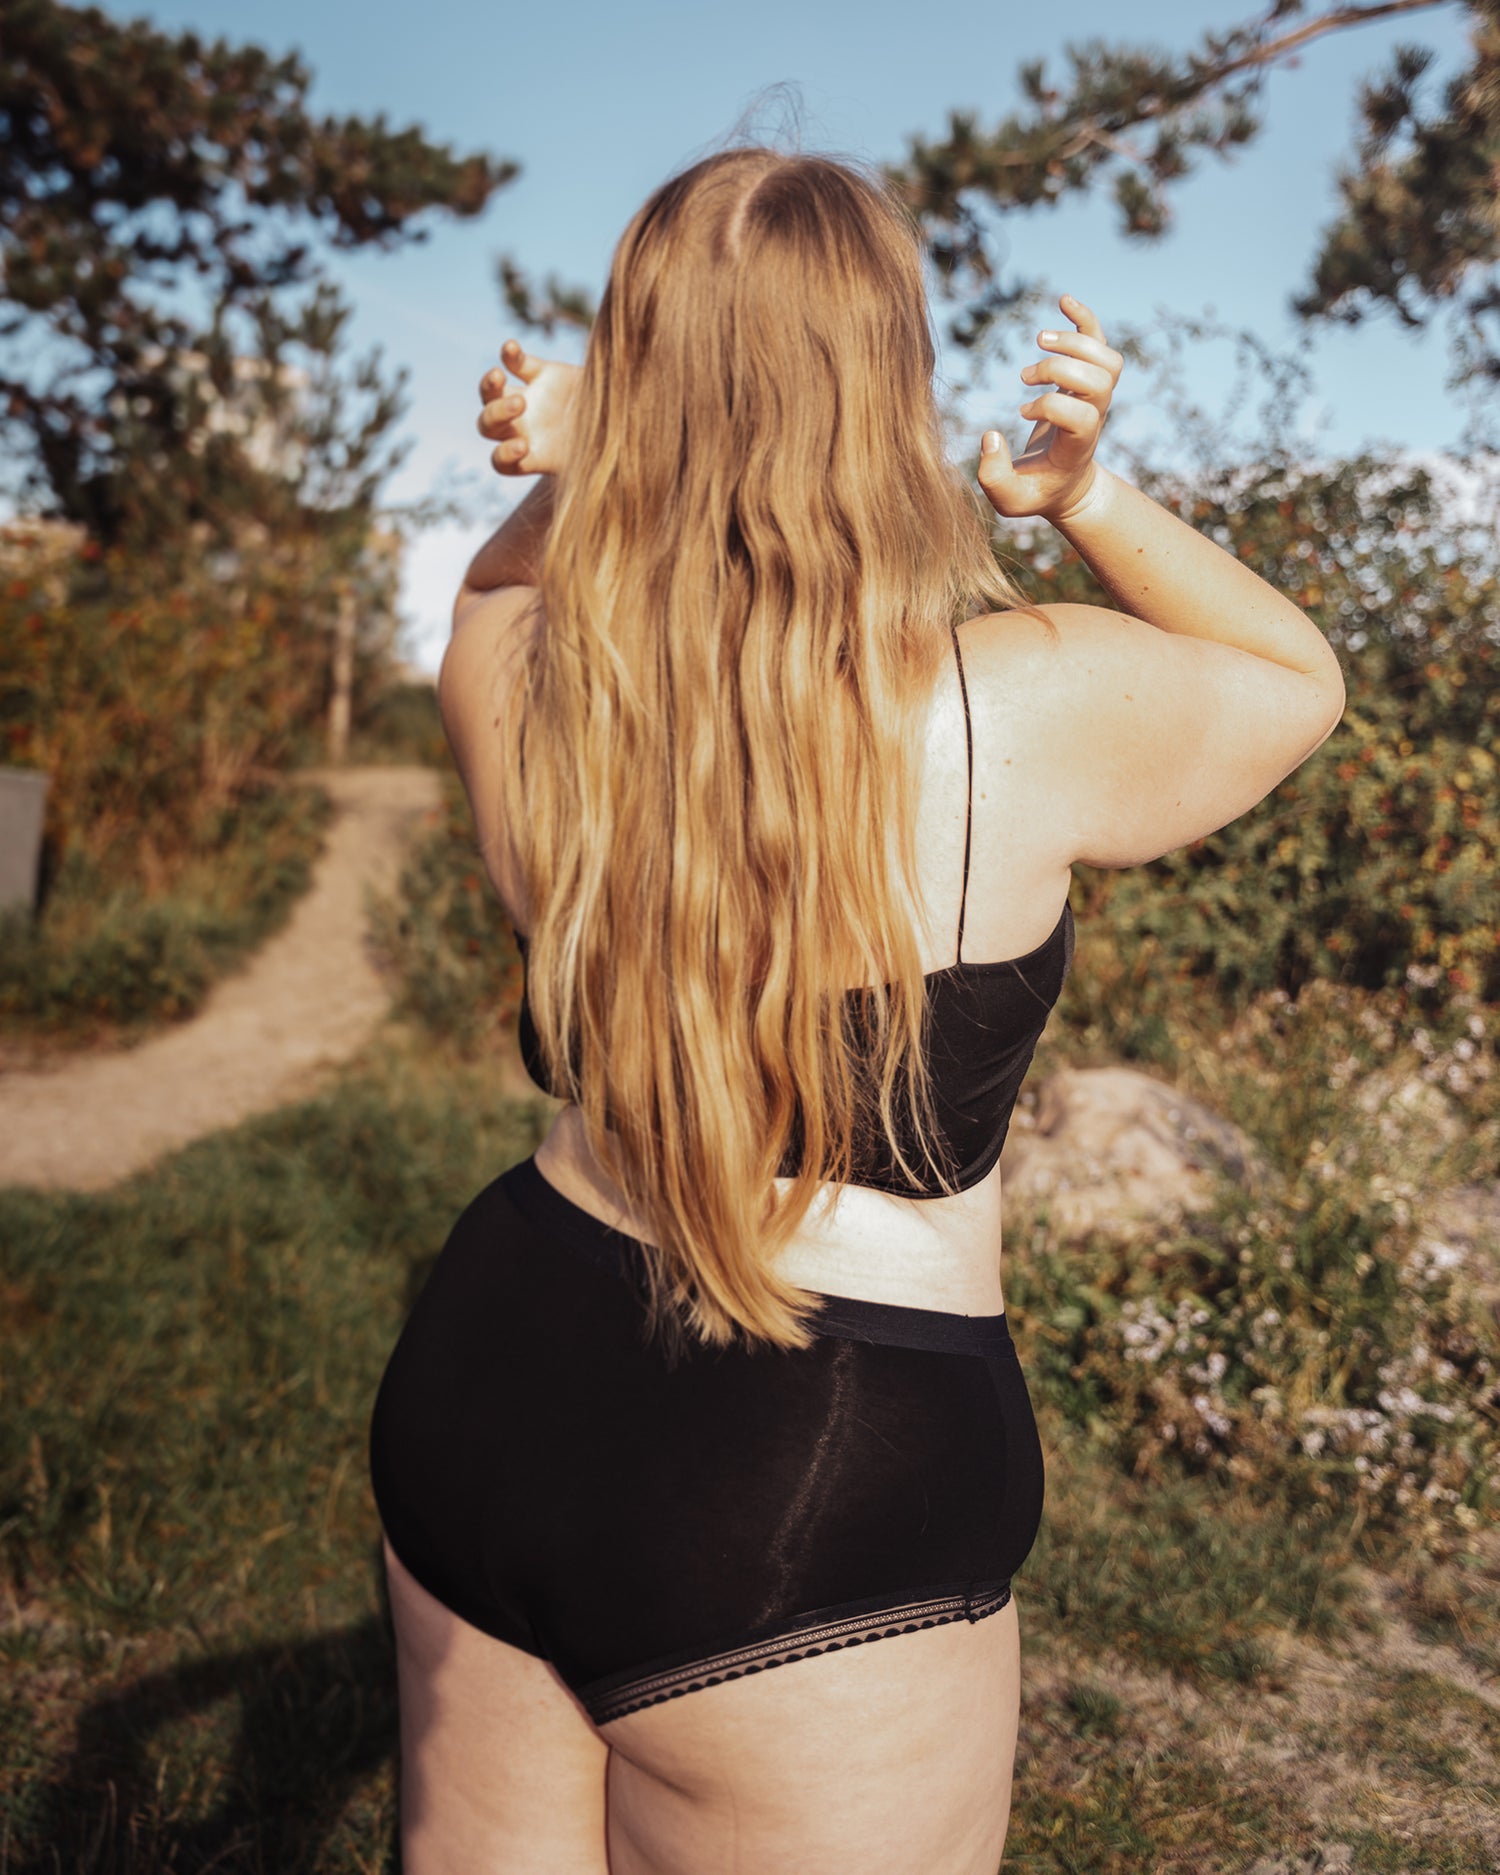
(539, 1470)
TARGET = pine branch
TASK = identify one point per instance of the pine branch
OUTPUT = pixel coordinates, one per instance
(1411, 230)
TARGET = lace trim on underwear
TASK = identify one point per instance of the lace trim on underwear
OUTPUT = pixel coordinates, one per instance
(817, 1636)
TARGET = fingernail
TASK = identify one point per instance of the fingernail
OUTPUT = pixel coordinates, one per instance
(1047, 338)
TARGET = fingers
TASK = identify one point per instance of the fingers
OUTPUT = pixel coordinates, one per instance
(995, 470)
(520, 361)
(1082, 364)
(511, 443)
(1010, 494)
(1079, 345)
(1088, 380)
(1076, 415)
(501, 422)
(1082, 317)
(994, 455)
(504, 410)
(1087, 342)
(501, 418)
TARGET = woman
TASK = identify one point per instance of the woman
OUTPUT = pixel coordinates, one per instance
(720, 1380)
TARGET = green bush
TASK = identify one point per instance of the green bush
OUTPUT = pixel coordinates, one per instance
(105, 950)
(157, 692)
(447, 937)
(152, 707)
(165, 698)
(400, 724)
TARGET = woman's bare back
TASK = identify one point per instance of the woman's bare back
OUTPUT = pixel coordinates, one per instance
(934, 1253)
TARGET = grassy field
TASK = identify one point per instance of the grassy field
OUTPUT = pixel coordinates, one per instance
(1221, 1660)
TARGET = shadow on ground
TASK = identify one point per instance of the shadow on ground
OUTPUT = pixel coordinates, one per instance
(307, 1723)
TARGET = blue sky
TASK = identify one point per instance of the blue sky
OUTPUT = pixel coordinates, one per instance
(599, 103)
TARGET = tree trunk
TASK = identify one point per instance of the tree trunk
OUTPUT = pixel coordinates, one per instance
(343, 677)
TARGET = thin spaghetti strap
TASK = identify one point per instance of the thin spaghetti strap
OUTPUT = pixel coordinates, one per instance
(969, 815)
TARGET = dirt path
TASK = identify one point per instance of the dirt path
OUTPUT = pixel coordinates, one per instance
(307, 1001)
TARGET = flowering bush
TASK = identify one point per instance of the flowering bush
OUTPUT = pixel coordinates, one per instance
(1316, 1351)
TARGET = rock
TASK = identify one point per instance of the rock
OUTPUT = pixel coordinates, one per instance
(1111, 1148)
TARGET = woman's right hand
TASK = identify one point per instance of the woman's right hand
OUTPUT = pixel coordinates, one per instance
(529, 422)
(1056, 473)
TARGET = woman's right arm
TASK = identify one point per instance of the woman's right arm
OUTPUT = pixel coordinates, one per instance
(1159, 569)
(1180, 711)
(1183, 709)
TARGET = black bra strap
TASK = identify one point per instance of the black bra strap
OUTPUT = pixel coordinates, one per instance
(969, 819)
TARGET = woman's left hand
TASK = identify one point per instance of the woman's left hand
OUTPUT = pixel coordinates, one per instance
(528, 421)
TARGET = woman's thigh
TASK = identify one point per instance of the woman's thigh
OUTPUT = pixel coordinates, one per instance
(892, 1758)
(500, 1767)
(888, 1759)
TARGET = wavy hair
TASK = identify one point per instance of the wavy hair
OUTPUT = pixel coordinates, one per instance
(757, 555)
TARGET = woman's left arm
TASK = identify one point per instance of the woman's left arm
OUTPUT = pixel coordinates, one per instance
(496, 611)
(513, 553)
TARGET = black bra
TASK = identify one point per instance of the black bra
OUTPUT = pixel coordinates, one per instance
(984, 1022)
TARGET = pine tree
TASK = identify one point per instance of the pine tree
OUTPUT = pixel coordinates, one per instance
(138, 168)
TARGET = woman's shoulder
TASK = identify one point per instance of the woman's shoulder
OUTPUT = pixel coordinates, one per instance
(1028, 654)
(1043, 633)
(1050, 659)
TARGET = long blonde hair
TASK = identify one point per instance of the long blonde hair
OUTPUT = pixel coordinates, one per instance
(757, 554)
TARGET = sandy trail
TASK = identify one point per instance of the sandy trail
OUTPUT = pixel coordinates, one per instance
(306, 1002)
